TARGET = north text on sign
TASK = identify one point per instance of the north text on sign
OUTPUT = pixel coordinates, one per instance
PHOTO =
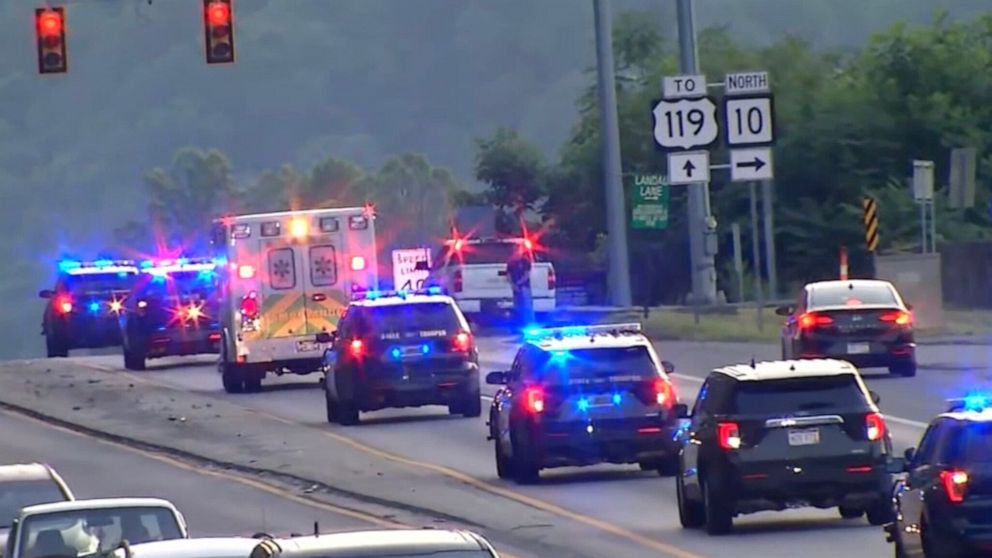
(746, 82)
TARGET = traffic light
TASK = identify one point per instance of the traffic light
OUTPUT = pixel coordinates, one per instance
(50, 27)
(218, 25)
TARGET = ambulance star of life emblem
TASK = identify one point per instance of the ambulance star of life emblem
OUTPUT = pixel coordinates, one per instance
(280, 268)
(323, 266)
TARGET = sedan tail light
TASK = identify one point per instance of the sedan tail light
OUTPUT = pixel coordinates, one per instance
(63, 304)
(357, 348)
(728, 435)
(898, 317)
(551, 279)
(664, 392)
(955, 484)
(811, 320)
(874, 426)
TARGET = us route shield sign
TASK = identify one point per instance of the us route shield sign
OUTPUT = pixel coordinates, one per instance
(650, 201)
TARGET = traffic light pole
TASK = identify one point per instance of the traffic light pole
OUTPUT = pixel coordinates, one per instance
(616, 213)
(699, 218)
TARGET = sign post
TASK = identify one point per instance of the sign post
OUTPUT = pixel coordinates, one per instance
(650, 201)
(923, 195)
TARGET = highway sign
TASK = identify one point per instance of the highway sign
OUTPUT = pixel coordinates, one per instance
(686, 123)
(678, 87)
(688, 167)
(746, 83)
(751, 164)
(922, 180)
(650, 193)
(748, 120)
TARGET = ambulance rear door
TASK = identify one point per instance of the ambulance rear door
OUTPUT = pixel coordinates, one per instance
(326, 296)
(283, 287)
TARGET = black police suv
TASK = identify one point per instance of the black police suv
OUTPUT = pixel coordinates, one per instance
(584, 395)
(173, 311)
(779, 435)
(82, 308)
(943, 504)
(864, 322)
(400, 349)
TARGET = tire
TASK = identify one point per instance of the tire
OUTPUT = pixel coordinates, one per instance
(848, 512)
(232, 376)
(691, 514)
(938, 545)
(55, 346)
(253, 382)
(470, 406)
(525, 467)
(504, 469)
(880, 512)
(719, 518)
(904, 369)
(133, 360)
(347, 413)
(332, 410)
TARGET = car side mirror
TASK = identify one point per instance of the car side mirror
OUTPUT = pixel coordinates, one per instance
(784, 310)
(668, 367)
(896, 465)
(326, 337)
(421, 265)
(875, 397)
(909, 454)
(682, 411)
(497, 378)
(46, 293)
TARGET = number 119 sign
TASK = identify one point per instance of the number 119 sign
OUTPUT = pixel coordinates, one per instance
(685, 123)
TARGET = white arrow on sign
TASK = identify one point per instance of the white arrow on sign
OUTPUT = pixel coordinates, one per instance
(751, 164)
(689, 167)
(685, 123)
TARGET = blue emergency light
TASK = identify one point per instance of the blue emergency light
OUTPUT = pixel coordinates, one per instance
(206, 266)
(970, 403)
(76, 267)
(376, 294)
(539, 333)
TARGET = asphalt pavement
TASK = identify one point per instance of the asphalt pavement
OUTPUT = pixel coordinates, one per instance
(211, 503)
(638, 502)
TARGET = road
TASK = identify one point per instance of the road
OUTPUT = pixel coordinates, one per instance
(213, 504)
(624, 497)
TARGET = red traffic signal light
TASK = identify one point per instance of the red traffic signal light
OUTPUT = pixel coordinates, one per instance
(50, 27)
(218, 26)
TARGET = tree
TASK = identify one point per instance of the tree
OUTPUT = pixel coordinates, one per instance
(413, 199)
(512, 169)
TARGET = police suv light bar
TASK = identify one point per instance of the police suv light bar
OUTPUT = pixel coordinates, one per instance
(376, 294)
(535, 333)
(969, 403)
(181, 264)
(75, 267)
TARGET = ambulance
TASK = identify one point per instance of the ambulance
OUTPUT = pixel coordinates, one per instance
(287, 277)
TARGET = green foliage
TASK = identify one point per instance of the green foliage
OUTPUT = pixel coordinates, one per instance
(512, 169)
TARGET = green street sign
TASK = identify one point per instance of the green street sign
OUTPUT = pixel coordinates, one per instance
(650, 201)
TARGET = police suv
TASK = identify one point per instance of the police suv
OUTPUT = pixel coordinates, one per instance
(584, 395)
(83, 306)
(943, 504)
(770, 436)
(173, 310)
(399, 349)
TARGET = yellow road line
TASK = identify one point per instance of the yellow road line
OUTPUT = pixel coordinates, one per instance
(471, 481)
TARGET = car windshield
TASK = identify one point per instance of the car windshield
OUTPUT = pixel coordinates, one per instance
(99, 283)
(410, 317)
(971, 443)
(841, 295)
(566, 366)
(19, 494)
(799, 396)
(78, 533)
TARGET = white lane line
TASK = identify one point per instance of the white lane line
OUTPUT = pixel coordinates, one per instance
(897, 420)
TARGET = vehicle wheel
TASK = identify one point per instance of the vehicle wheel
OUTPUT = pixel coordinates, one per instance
(880, 512)
(719, 518)
(525, 467)
(471, 405)
(347, 413)
(56, 347)
(504, 468)
(785, 354)
(904, 369)
(691, 514)
(848, 512)
(936, 545)
(669, 467)
(232, 377)
(253, 382)
(332, 408)
(133, 360)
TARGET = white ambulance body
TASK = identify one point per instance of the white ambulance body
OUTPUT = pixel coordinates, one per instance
(289, 276)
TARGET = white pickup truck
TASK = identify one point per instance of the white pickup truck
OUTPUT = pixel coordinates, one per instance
(473, 271)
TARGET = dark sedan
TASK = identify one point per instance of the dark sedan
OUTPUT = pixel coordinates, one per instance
(865, 322)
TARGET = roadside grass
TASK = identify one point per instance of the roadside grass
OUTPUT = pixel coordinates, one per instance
(740, 324)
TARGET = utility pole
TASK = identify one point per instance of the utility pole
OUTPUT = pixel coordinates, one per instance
(703, 267)
(616, 213)
(767, 204)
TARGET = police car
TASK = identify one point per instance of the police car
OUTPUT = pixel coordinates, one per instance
(583, 395)
(173, 310)
(400, 349)
(944, 502)
(83, 306)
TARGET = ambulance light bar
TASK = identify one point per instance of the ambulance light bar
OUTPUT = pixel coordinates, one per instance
(76, 267)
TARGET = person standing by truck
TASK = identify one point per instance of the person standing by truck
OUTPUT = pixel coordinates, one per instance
(518, 272)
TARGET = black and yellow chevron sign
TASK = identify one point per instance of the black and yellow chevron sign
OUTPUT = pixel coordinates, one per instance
(871, 223)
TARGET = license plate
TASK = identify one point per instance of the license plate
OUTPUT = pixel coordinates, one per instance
(804, 437)
(504, 304)
(858, 348)
(600, 401)
(411, 350)
(307, 346)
